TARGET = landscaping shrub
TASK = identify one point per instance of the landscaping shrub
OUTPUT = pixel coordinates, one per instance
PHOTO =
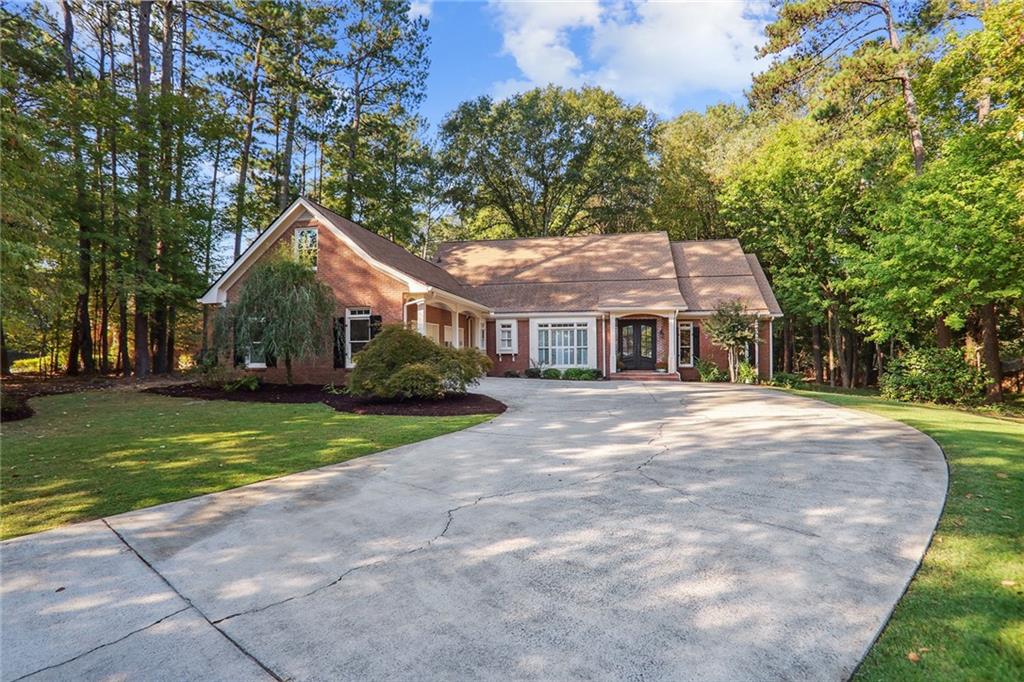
(249, 382)
(709, 371)
(395, 348)
(935, 375)
(333, 389)
(787, 379)
(746, 373)
(511, 374)
(581, 374)
(532, 373)
(418, 380)
(551, 373)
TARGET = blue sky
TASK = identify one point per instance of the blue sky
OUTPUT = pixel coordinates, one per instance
(671, 55)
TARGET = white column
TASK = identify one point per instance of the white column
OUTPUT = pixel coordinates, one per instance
(673, 342)
(421, 317)
(456, 328)
(613, 329)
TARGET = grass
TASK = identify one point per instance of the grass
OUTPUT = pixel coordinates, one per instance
(92, 454)
(962, 617)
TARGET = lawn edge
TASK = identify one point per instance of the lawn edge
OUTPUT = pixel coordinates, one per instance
(491, 417)
(931, 535)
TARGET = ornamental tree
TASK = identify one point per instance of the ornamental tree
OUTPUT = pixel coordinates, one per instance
(283, 312)
(730, 328)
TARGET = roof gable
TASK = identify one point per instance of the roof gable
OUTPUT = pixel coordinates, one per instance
(379, 252)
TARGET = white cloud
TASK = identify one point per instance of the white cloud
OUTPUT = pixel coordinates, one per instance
(420, 8)
(648, 51)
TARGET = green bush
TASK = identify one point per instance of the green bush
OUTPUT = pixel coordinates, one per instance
(934, 375)
(511, 374)
(551, 373)
(709, 371)
(532, 373)
(333, 389)
(746, 373)
(249, 382)
(418, 380)
(581, 374)
(395, 348)
(787, 379)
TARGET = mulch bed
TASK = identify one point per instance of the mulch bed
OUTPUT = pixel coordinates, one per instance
(470, 403)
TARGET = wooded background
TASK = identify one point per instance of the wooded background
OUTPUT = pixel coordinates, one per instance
(877, 168)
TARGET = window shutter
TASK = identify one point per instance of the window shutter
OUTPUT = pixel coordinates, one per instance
(375, 325)
(270, 359)
(239, 355)
(339, 342)
(751, 357)
(695, 341)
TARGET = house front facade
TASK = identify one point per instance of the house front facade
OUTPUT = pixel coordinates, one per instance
(628, 305)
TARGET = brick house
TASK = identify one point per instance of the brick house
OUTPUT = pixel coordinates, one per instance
(625, 304)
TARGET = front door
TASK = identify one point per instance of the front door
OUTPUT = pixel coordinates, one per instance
(637, 344)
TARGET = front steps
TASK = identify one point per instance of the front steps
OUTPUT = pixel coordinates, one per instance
(643, 375)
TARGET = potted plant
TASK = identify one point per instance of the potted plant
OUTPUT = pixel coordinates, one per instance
(661, 367)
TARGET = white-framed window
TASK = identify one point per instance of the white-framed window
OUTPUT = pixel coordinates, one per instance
(307, 245)
(686, 344)
(563, 344)
(434, 332)
(507, 336)
(254, 356)
(357, 331)
(448, 335)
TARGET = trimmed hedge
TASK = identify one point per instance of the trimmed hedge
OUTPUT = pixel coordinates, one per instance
(532, 373)
(933, 375)
(551, 373)
(581, 374)
(511, 374)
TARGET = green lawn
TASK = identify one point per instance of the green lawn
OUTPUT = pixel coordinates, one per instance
(92, 454)
(963, 616)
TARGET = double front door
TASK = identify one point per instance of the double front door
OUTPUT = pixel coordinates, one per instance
(637, 344)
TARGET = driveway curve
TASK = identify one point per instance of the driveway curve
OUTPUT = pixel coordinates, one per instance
(603, 530)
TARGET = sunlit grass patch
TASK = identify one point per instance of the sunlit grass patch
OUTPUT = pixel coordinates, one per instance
(93, 454)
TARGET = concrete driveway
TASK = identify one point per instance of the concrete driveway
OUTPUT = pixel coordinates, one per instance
(596, 530)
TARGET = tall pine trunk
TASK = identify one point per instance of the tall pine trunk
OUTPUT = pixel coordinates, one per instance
(819, 365)
(81, 336)
(353, 146)
(161, 362)
(143, 241)
(243, 170)
(208, 245)
(284, 190)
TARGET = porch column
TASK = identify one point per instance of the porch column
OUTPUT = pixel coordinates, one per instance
(421, 317)
(613, 361)
(456, 328)
(673, 343)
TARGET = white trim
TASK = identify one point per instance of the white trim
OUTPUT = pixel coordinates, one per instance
(348, 330)
(433, 332)
(513, 348)
(524, 315)
(316, 238)
(590, 322)
(689, 325)
(771, 348)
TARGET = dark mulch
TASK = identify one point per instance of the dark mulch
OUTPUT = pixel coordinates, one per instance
(13, 408)
(470, 403)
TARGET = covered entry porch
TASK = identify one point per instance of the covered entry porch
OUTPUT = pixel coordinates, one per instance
(643, 345)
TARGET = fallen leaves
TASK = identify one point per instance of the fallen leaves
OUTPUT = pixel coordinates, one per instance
(913, 656)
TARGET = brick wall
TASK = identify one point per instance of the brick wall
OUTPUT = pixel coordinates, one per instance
(518, 362)
(355, 284)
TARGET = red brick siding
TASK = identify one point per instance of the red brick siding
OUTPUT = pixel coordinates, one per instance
(719, 356)
(355, 284)
(518, 362)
